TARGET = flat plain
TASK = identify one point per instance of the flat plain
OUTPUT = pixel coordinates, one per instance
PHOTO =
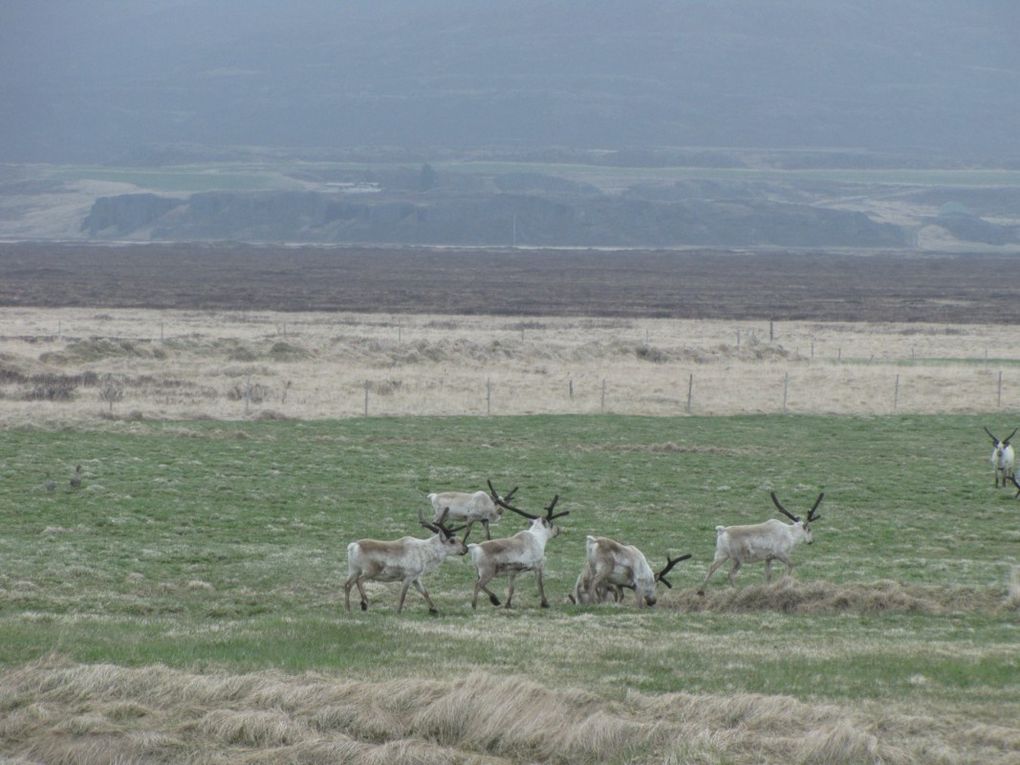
(185, 604)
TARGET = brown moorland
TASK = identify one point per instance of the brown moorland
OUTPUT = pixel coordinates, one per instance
(784, 285)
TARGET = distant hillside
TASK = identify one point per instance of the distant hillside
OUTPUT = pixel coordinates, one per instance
(99, 81)
(482, 219)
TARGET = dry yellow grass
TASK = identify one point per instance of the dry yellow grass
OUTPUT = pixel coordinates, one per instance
(59, 712)
(188, 364)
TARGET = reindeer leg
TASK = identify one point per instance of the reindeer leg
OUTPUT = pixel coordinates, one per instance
(347, 592)
(480, 585)
(403, 594)
(768, 570)
(541, 587)
(510, 588)
(361, 591)
(711, 570)
(789, 565)
(596, 588)
(485, 523)
(425, 594)
(733, 572)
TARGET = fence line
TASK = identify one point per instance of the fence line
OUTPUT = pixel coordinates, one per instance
(600, 398)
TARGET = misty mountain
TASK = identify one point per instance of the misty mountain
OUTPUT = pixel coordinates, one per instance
(98, 81)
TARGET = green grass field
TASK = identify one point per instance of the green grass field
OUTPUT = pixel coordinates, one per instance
(220, 547)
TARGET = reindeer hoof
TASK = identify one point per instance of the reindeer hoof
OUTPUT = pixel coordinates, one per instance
(364, 606)
(701, 593)
(545, 604)
(434, 612)
(494, 600)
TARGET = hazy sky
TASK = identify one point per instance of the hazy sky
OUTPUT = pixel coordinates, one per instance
(99, 80)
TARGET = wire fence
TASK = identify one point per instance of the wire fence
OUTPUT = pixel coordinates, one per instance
(239, 365)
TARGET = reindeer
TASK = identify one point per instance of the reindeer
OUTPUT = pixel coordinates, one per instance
(406, 559)
(768, 541)
(471, 507)
(1003, 458)
(611, 566)
(524, 551)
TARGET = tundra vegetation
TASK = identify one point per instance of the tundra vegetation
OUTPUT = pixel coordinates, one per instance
(186, 603)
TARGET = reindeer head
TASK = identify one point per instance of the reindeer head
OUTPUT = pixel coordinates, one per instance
(498, 499)
(802, 525)
(1000, 445)
(545, 523)
(447, 537)
(647, 589)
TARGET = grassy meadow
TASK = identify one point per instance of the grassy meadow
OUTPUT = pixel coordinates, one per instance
(186, 603)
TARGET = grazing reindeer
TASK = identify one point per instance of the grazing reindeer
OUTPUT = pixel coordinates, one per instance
(471, 507)
(406, 559)
(1003, 458)
(768, 541)
(524, 551)
(611, 566)
(1017, 484)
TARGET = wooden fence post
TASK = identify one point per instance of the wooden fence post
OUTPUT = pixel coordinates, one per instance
(690, 391)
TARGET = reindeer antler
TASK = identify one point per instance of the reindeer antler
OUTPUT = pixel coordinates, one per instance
(990, 433)
(549, 510)
(783, 510)
(811, 513)
(438, 527)
(549, 515)
(495, 494)
(431, 526)
(670, 562)
(503, 503)
(1006, 440)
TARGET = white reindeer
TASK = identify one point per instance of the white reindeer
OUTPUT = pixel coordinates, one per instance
(1003, 458)
(768, 541)
(524, 551)
(406, 559)
(469, 507)
(610, 567)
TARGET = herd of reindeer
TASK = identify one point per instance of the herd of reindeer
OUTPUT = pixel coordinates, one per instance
(610, 567)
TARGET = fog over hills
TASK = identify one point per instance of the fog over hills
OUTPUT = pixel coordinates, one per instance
(649, 123)
(101, 80)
